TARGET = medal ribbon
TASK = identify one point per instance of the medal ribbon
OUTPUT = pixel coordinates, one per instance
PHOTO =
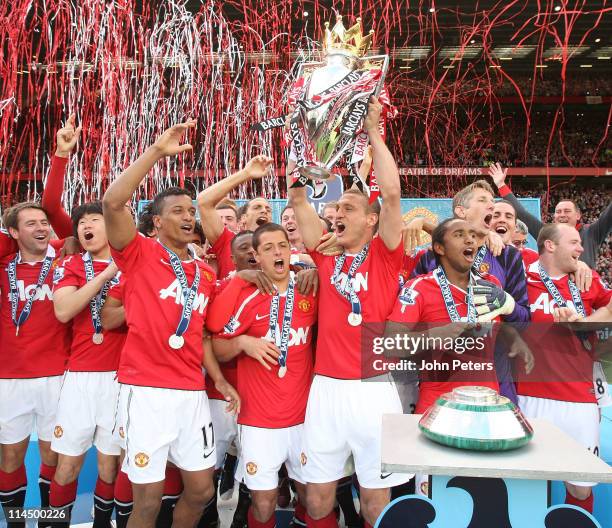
(287, 318)
(97, 302)
(479, 258)
(188, 292)
(348, 292)
(14, 290)
(561, 302)
(447, 295)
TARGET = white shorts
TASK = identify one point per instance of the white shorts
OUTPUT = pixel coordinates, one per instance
(86, 414)
(22, 401)
(226, 429)
(162, 425)
(263, 452)
(578, 420)
(344, 417)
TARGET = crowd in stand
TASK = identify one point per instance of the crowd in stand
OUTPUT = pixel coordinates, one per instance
(592, 200)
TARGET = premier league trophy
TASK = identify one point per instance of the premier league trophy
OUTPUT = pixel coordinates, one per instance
(330, 101)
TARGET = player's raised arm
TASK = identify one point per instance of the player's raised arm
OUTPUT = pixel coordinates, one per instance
(305, 215)
(66, 142)
(387, 177)
(120, 225)
(210, 197)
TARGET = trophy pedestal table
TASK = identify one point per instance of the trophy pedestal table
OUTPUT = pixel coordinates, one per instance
(502, 489)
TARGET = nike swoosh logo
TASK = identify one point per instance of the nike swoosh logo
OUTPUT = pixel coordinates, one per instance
(260, 317)
(383, 477)
(206, 456)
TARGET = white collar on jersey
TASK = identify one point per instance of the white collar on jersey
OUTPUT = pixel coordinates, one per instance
(50, 253)
(87, 256)
(291, 278)
(534, 267)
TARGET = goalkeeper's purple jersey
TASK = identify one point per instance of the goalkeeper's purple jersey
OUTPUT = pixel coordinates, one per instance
(507, 268)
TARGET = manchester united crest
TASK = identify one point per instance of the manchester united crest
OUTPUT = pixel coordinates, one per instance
(251, 468)
(141, 460)
(303, 459)
(304, 305)
(208, 276)
(58, 432)
(484, 268)
(121, 432)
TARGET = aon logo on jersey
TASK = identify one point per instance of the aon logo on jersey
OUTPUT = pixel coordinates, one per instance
(297, 336)
(42, 294)
(359, 281)
(546, 303)
(176, 292)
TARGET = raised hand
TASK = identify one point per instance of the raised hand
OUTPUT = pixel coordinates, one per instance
(411, 234)
(67, 137)
(169, 143)
(258, 167)
(498, 173)
(373, 115)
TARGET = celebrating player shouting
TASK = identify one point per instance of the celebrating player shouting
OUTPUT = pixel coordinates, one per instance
(344, 414)
(274, 351)
(86, 409)
(164, 409)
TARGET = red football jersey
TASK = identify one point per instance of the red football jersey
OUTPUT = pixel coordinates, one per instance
(529, 256)
(267, 400)
(376, 282)
(85, 355)
(425, 304)
(563, 366)
(229, 369)
(153, 310)
(42, 346)
(223, 249)
(409, 262)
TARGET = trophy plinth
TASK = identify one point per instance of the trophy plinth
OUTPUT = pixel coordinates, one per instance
(476, 418)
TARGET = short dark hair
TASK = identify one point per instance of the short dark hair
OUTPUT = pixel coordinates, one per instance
(242, 210)
(11, 215)
(570, 201)
(145, 220)
(82, 210)
(438, 234)
(288, 206)
(507, 203)
(197, 229)
(548, 232)
(157, 205)
(267, 228)
(239, 235)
